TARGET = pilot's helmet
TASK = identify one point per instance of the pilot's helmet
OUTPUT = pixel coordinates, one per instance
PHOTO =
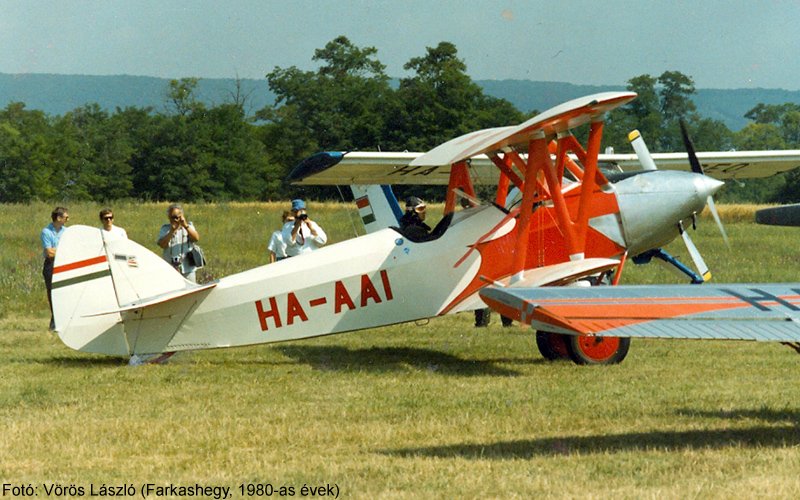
(414, 204)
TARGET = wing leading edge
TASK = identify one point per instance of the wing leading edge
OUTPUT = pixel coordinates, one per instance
(336, 168)
(762, 312)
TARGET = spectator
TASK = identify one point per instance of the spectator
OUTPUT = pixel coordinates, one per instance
(177, 237)
(276, 246)
(302, 235)
(50, 237)
(110, 231)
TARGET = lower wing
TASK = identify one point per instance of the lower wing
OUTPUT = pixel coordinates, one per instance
(764, 312)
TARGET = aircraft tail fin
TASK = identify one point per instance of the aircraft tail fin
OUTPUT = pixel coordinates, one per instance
(377, 206)
(92, 275)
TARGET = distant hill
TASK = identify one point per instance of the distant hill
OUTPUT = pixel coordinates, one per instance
(58, 94)
(725, 105)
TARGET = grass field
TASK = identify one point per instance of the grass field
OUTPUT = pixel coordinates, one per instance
(434, 410)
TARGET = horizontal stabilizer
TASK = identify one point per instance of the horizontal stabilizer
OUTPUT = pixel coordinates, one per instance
(763, 312)
(787, 215)
(160, 299)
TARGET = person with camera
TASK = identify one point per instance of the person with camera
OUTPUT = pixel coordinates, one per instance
(177, 237)
(302, 235)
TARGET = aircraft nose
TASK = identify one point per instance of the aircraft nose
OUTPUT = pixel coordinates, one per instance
(651, 205)
(706, 186)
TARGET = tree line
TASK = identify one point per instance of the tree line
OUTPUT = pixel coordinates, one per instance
(196, 152)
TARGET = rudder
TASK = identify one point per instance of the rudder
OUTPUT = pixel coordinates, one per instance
(82, 285)
(93, 279)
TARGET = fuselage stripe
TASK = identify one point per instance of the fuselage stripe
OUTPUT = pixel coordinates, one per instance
(81, 279)
(79, 264)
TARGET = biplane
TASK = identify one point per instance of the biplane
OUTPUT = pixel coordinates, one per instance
(574, 224)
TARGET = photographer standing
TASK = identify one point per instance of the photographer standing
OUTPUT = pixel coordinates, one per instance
(303, 234)
(177, 238)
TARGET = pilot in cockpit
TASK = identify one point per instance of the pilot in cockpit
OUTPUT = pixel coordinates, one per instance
(412, 223)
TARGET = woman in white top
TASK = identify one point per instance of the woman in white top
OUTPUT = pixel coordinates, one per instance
(276, 246)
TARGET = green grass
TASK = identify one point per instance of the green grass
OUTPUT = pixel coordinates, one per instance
(437, 410)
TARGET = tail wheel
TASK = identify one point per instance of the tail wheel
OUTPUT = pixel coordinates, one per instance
(588, 350)
(553, 346)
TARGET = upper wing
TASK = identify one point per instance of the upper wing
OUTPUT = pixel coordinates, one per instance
(718, 164)
(558, 119)
(337, 168)
(765, 312)
(433, 167)
(397, 168)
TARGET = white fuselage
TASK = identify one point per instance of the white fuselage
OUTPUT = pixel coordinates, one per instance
(377, 279)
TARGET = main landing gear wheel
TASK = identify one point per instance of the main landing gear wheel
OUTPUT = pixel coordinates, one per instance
(588, 350)
(553, 346)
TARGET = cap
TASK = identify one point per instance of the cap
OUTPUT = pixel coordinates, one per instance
(298, 204)
(414, 203)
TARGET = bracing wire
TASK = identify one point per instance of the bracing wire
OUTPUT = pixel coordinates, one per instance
(349, 212)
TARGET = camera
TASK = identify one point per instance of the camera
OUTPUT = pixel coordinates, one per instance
(302, 216)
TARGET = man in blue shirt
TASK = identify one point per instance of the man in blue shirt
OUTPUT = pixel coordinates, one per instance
(50, 237)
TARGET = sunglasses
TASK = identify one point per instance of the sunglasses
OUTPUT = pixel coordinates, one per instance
(108, 217)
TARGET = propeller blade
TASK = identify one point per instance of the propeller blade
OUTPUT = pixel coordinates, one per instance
(697, 258)
(698, 169)
(639, 146)
(689, 146)
(713, 208)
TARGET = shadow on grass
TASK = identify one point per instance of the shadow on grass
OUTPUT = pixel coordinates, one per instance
(82, 362)
(383, 359)
(786, 415)
(751, 437)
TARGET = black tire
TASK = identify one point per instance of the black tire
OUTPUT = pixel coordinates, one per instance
(589, 350)
(552, 346)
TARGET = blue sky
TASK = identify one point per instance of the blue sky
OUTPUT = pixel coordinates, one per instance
(720, 44)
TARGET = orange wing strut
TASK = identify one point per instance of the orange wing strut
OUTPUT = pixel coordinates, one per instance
(459, 179)
(589, 182)
(537, 155)
(502, 189)
(559, 203)
(507, 175)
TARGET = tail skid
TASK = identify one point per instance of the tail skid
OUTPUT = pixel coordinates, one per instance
(96, 283)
